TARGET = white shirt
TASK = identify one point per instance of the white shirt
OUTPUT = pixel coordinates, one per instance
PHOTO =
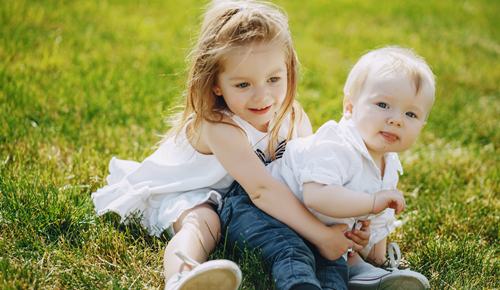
(337, 155)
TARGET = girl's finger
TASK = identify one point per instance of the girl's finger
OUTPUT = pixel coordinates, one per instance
(362, 234)
(356, 247)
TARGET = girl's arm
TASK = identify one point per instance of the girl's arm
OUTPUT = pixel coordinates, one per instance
(340, 202)
(231, 146)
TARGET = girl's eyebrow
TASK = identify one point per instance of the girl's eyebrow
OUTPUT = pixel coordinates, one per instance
(279, 70)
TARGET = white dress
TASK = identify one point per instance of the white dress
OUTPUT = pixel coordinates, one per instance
(337, 155)
(173, 179)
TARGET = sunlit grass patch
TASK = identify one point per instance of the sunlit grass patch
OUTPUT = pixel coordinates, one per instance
(82, 81)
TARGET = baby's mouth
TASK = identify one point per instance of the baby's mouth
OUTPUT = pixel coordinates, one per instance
(389, 137)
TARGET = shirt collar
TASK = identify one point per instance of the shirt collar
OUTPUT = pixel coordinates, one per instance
(392, 161)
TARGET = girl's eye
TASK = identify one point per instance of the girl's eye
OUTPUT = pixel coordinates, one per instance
(274, 79)
(383, 105)
(411, 115)
(242, 85)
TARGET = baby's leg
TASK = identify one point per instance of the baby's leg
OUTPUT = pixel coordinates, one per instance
(377, 253)
(375, 256)
(197, 233)
(363, 275)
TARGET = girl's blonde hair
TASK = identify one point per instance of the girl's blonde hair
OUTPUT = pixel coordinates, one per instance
(228, 25)
(387, 60)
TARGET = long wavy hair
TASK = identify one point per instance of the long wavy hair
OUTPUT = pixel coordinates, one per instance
(228, 25)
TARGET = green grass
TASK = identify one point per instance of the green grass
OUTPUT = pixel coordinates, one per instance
(82, 81)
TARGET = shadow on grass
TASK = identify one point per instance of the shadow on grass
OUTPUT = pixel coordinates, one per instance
(133, 229)
(256, 274)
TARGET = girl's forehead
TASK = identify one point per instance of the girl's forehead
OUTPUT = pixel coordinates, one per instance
(252, 49)
(251, 55)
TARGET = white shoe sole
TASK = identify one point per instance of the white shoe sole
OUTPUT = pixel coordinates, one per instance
(396, 280)
(214, 275)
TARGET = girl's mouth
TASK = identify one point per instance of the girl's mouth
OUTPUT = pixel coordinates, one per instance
(261, 111)
(389, 137)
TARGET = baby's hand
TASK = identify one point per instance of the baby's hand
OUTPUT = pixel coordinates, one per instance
(388, 199)
(361, 236)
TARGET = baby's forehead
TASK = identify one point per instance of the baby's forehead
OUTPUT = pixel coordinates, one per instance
(399, 84)
(388, 82)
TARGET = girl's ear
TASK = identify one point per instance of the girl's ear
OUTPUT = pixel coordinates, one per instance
(217, 91)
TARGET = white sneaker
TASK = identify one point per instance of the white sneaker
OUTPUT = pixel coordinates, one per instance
(211, 275)
(389, 278)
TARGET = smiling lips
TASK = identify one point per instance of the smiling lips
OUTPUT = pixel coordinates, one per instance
(260, 111)
(389, 137)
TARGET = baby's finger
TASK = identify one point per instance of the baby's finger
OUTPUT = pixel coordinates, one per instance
(357, 239)
(403, 204)
(365, 225)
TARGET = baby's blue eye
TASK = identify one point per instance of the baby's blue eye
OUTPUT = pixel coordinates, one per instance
(274, 79)
(411, 115)
(383, 105)
(242, 85)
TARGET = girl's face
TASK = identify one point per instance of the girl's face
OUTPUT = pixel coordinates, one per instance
(253, 82)
(388, 114)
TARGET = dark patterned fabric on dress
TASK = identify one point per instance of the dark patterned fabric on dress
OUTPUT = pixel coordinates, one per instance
(278, 153)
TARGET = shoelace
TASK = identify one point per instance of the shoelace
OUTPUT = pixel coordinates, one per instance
(187, 260)
(394, 254)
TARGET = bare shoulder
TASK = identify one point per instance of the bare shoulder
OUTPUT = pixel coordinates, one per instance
(219, 132)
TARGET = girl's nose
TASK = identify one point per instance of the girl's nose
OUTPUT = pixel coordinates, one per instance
(260, 93)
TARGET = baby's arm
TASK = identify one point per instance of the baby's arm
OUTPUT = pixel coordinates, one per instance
(339, 202)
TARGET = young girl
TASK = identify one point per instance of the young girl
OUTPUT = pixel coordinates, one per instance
(240, 100)
(348, 171)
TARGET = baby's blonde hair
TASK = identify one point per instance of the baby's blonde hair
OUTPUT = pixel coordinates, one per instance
(388, 60)
(226, 26)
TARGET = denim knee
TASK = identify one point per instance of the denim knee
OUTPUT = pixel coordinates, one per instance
(291, 260)
(332, 274)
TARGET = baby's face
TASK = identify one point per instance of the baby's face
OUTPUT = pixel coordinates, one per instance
(389, 114)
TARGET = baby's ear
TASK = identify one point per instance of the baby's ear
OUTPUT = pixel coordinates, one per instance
(347, 108)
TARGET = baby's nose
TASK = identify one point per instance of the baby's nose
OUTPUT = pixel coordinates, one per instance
(395, 122)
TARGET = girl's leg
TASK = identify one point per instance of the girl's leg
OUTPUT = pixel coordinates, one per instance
(291, 260)
(331, 274)
(197, 233)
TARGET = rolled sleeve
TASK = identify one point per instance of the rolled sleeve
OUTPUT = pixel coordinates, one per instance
(328, 163)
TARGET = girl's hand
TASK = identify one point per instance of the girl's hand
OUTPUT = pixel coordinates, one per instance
(334, 242)
(388, 199)
(361, 236)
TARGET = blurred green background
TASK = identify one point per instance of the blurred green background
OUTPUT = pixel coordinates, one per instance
(82, 81)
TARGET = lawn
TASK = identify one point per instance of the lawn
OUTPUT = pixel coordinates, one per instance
(82, 81)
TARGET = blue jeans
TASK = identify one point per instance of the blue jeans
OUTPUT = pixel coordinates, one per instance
(292, 260)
